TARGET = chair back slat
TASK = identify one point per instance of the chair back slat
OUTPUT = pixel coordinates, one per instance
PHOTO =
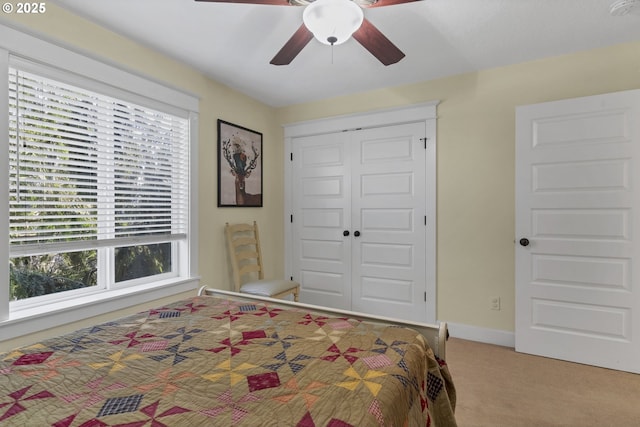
(244, 241)
(249, 268)
(246, 255)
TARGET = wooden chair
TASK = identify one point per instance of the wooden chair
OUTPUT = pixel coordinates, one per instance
(243, 243)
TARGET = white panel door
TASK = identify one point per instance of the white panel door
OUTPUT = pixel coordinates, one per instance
(322, 210)
(577, 206)
(388, 203)
(359, 220)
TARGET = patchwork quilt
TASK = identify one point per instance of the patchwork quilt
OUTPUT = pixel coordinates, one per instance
(208, 361)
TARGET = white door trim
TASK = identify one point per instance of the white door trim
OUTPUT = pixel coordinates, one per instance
(376, 118)
(424, 112)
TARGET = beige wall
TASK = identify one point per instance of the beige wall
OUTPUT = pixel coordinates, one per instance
(475, 155)
(476, 149)
(216, 101)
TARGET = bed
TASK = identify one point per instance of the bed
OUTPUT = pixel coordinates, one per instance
(225, 359)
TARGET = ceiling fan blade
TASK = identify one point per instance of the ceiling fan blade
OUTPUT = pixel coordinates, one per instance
(381, 3)
(293, 46)
(377, 43)
(267, 2)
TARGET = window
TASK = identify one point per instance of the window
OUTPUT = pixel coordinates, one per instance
(99, 183)
(92, 172)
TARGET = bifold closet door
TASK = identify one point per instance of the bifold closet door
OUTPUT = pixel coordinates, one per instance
(388, 214)
(359, 220)
(321, 218)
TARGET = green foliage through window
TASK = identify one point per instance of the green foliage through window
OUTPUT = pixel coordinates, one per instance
(38, 275)
(133, 262)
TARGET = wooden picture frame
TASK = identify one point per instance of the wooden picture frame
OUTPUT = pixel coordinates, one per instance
(239, 166)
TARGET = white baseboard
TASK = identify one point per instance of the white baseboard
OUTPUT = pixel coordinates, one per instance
(475, 333)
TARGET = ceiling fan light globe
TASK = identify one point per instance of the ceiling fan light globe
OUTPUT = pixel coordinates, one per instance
(332, 22)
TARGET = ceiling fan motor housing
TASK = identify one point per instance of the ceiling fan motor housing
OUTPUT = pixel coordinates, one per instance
(332, 22)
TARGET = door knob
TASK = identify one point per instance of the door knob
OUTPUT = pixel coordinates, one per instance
(524, 241)
(345, 233)
(356, 233)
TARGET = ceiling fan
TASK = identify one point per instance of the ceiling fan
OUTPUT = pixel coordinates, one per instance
(347, 12)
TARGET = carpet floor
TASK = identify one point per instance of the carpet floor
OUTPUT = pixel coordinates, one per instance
(497, 387)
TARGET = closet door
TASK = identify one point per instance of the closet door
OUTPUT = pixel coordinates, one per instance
(359, 214)
(388, 219)
(321, 218)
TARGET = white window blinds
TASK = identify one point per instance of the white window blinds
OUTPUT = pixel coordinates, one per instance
(87, 167)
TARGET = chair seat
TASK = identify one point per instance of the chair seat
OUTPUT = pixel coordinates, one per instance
(267, 288)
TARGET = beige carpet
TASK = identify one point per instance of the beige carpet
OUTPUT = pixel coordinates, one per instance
(498, 387)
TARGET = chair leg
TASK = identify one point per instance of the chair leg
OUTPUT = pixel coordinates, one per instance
(296, 292)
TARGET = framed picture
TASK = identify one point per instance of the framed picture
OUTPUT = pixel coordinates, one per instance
(239, 166)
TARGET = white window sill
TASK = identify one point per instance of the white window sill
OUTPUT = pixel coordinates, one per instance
(30, 320)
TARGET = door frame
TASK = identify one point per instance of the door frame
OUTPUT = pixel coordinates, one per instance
(423, 112)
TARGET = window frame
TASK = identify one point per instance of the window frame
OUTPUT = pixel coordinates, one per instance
(129, 87)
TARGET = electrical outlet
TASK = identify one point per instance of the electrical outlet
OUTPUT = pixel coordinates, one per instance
(495, 303)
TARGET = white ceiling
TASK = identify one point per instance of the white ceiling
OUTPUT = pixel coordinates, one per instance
(233, 43)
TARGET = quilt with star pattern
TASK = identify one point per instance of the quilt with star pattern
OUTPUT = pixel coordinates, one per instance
(209, 361)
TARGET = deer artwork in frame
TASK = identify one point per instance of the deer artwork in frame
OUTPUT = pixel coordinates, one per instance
(239, 166)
